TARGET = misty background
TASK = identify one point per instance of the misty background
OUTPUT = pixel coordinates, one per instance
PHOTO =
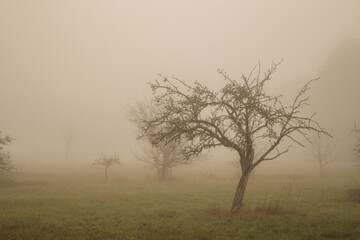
(75, 66)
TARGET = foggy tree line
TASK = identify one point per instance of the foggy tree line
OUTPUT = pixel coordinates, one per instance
(183, 120)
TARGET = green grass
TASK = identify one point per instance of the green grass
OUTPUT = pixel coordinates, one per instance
(310, 209)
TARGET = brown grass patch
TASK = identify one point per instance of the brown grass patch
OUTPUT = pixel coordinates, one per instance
(284, 203)
(274, 208)
(337, 235)
(215, 209)
(351, 195)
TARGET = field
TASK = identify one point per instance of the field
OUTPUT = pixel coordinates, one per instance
(275, 208)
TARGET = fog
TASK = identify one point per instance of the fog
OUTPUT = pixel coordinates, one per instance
(75, 66)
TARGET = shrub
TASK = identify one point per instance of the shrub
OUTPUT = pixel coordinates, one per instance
(353, 195)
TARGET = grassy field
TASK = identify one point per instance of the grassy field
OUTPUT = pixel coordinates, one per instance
(275, 208)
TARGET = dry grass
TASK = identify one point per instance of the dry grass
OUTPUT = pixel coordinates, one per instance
(177, 210)
(274, 207)
(352, 195)
(282, 204)
(338, 235)
(215, 209)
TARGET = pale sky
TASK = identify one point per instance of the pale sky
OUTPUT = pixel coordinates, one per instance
(78, 63)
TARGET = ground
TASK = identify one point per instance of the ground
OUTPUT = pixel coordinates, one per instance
(275, 208)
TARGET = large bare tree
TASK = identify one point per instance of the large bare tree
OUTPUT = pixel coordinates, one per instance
(239, 116)
(322, 149)
(161, 156)
(6, 163)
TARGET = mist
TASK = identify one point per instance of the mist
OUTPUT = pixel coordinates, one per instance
(146, 119)
(76, 66)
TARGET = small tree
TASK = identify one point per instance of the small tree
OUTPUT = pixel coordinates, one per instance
(106, 162)
(238, 117)
(357, 146)
(322, 150)
(6, 164)
(161, 156)
(69, 137)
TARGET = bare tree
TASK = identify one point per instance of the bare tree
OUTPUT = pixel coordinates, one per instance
(69, 137)
(234, 163)
(322, 149)
(237, 117)
(6, 164)
(106, 162)
(161, 156)
(357, 146)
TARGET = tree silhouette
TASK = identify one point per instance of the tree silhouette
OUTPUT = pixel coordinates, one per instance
(322, 150)
(161, 156)
(240, 116)
(6, 163)
(106, 162)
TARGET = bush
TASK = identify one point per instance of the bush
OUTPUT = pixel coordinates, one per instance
(353, 195)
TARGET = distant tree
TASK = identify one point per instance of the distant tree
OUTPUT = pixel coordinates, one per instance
(357, 146)
(69, 137)
(6, 164)
(339, 87)
(106, 162)
(237, 117)
(322, 149)
(162, 156)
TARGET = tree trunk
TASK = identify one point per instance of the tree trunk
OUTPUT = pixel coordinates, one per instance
(170, 174)
(321, 170)
(165, 164)
(240, 192)
(158, 173)
(163, 173)
(106, 174)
